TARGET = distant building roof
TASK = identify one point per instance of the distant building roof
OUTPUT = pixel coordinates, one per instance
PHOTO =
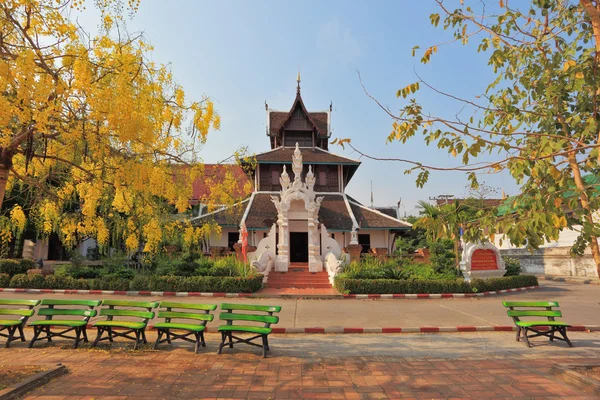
(310, 155)
(215, 173)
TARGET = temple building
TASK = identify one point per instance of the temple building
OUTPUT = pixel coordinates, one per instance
(299, 210)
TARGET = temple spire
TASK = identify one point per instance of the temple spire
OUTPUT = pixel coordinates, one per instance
(298, 81)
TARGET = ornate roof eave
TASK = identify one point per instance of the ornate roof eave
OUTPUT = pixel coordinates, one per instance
(298, 100)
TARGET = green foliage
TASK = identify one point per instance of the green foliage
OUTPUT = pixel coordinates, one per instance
(24, 281)
(65, 282)
(391, 286)
(77, 271)
(513, 266)
(221, 284)
(109, 283)
(12, 267)
(442, 255)
(372, 267)
(27, 264)
(538, 117)
(4, 280)
(230, 266)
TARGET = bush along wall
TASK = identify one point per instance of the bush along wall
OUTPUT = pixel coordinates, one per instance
(225, 284)
(393, 286)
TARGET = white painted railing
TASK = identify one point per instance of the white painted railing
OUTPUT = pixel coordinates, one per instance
(333, 265)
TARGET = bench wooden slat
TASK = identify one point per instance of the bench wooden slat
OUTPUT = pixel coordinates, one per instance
(70, 302)
(530, 303)
(182, 315)
(188, 306)
(107, 312)
(534, 313)
(134, 304)
(19, 302)
(250, 307)
(269, 319)
(22, 313)
(66, 311)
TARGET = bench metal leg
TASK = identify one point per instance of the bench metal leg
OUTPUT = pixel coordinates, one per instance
(77, 337)
(203, 343)
(48, 334)
(110, 334)
(144, 336)
(158, 336)
(36, 333)
(137, 340)
(222, 342)
(98, 336)
(84, 331)
(21, 333)
(197, 346)
(563, 332)
(168, 337)
(525, 330)
(518, 333)
(265, 345)
(11, 335)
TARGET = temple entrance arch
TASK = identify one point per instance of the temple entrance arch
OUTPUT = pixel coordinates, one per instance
(295, 200)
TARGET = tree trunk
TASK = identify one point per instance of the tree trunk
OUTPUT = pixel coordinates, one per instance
(593, 11)
(588, 215)
(3, 179)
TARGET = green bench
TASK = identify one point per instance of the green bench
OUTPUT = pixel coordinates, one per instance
(195, 324)
(24, 311)
(240, 315)
(547, 328)
(136, 327)
(48, 309)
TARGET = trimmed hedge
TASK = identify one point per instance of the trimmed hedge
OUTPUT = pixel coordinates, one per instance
(4, 280)
(227, 284)
(12, 267)
(141, 282)
(392, 286)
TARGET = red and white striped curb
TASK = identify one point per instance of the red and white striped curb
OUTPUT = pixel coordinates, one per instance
(423, 329)
(258, 294)
(124, 293)
(436, 296)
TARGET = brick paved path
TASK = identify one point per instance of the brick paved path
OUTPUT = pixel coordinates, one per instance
(178, 373)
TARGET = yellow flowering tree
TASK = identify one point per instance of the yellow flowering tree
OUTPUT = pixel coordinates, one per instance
(91, 130)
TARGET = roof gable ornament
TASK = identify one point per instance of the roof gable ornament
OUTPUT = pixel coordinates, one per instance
(297, 165)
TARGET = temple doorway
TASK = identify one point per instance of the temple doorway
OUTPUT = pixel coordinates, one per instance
(299, 247)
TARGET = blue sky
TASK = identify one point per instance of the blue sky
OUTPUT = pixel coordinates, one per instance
(243, 53)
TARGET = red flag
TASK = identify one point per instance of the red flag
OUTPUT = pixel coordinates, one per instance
(244, 233)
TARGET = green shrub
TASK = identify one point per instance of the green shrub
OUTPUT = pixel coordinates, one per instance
(230, 266)
(507, 282)
(109, 283)
(24, 281)
(390, 286)
(442, 255)
(513, 266)
(27, 264)
(4, 280)
(197, 283)
(77, 271)
(11, 267)
(65, 282)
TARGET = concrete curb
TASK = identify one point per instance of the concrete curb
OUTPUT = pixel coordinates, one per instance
(583, 281)
(420, 296)
(568, 374)
(422, 329)
(33, 382)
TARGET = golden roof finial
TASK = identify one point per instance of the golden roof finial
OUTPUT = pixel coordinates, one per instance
(298, 80)
(504, 196)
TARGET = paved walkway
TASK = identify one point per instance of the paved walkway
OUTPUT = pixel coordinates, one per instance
(579, 304)
(469, 366)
